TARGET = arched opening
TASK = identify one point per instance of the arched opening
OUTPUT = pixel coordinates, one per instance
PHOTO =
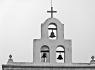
(45, 54)
(60, 54)
(52, 31)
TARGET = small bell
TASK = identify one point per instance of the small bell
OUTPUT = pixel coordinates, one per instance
(44, 55)
(60, 57)
(52, 35)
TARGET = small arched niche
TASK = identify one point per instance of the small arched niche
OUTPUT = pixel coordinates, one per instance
(52, 31)
(45, 54)
(60, 54)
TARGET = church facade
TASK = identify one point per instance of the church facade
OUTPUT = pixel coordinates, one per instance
(51, 52)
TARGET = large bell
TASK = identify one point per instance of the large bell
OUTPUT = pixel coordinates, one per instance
(52, 35)
(60, 57)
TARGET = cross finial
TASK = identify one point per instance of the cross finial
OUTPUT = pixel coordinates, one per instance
(51, 10)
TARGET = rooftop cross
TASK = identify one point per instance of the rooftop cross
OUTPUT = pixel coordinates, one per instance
(51, 10)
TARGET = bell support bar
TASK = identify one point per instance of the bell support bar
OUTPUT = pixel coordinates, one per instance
(52, 28)
(60, 51)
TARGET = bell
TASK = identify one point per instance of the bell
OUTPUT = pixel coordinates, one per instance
(52, 34)
(60, 57)
(44, 55)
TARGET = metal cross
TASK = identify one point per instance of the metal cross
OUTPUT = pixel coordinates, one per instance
(51, 10)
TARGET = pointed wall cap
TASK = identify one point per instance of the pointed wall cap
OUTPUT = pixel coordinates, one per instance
(10, 60)
(92, 61)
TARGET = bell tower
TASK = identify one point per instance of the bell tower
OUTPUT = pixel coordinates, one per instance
(52, 47)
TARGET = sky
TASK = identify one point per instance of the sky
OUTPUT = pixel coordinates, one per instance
(20, 23)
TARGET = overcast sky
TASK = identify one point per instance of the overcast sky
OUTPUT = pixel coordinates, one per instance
(20, 23)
